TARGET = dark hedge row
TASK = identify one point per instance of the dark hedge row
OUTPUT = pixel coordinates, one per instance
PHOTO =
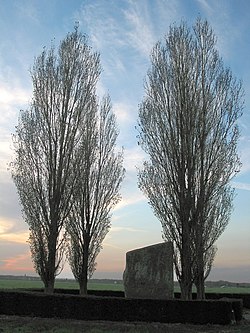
(112, 293)
(244, 297)
(115, 308)
(102, 293)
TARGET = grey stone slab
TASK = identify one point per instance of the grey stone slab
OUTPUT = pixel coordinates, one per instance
(149, 272)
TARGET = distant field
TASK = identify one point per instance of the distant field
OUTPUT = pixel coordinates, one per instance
(226, 290)
(108, 285)
(230, 290)
(17, 283)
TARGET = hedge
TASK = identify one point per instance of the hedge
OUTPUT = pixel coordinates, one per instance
(216, 296)
(245, 297)
(115, 293)
(117, 308)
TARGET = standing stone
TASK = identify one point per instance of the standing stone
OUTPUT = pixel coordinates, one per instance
(149, 272)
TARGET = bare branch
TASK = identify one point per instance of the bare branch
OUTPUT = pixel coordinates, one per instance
(188, 126)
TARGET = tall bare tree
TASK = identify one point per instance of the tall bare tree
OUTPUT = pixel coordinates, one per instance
(46, 136)
(100, 174)
(188, 126)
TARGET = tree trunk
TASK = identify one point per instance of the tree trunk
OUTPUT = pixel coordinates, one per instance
(186, 284)
(200, 288)
(83, 281)
(49, 286)
(186, 280)
(49, 279)
(186, 290)
(199, 280)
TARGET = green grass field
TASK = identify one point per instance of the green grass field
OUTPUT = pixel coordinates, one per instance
(30, 284)
(225, 290)
(108, 285)
(230, 290)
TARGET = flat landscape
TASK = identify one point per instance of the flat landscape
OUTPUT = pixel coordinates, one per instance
(30, 283)
(14, 282)
(14, 324)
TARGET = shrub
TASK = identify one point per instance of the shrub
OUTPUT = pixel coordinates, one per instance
(116, 308)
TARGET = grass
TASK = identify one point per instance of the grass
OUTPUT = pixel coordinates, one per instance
(14, 324)
(225, 290)
(229, 290)
(109, 285)
(70, 284)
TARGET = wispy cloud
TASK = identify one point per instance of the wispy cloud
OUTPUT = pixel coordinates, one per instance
(134, 158)
(244, 149)
(129, 200)
(12, 98)
(118, 32)
(27, 11)
(13, 95)
(19, 263)
(127, 229)
(241, 186)
(218, 15)
(17, 237)
(124, 113)
(11, 232)
(141, 34)
(206, 6)
(105, 32)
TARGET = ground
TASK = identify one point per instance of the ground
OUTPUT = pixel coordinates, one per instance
(14, 324)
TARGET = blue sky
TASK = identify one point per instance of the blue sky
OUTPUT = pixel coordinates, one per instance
(124, 32)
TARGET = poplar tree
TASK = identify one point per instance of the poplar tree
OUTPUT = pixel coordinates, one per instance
(45, 141)
(188, 128)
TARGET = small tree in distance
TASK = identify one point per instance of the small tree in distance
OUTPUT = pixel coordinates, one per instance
(44, 169)
(99, 175)
(188, 126)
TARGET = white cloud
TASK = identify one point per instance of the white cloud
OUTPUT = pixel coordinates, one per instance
(141, 34)
(129, 199)
(133, 158)
(218, 15)
(244, 153)
(27, 11)
(105, 32)
(149, 22)
(117, 32)
(12, 98)
(168, 11)
(9, 232)
(241, 186)
(5, 153)
(128, 229)
(124, 112)
(17, 237)
(208, 9)
(12, 95)
(5, 226)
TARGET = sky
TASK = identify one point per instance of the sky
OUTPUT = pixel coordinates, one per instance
(124, 32)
